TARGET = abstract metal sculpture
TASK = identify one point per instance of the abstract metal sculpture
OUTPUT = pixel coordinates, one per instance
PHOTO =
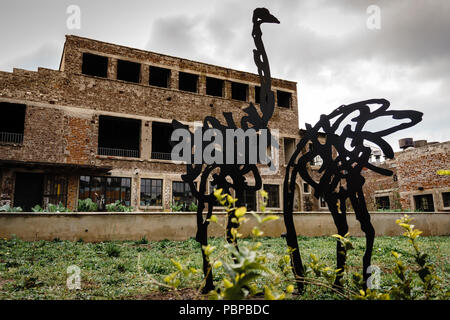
(344, 157)
(231, 176)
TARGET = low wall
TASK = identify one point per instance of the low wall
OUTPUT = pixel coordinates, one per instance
(93, 227)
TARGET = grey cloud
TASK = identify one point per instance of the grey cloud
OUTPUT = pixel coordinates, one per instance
(47, 56)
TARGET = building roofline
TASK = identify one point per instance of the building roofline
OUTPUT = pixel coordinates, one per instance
(70, 36)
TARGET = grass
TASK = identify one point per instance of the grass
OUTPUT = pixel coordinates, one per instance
(109, 270)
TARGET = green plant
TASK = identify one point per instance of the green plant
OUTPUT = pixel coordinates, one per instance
(429, 283)
(37, 208)
(176, 206)
(56, 208)
(193, 207)
(118, 207)
(143, 240)
(87, 205)
(8, 208)
(50, 208)
(112, 250)
(246, 266)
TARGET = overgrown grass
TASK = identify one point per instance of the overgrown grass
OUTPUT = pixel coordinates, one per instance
(118, 269)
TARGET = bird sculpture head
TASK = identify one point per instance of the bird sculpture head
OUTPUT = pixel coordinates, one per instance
(262, 15)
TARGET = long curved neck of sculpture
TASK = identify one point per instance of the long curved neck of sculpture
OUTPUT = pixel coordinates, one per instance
(262, 63)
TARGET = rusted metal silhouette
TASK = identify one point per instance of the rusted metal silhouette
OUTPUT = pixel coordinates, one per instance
(231, 176)
(344, 156)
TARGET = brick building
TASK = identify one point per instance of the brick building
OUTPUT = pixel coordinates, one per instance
(415, 184)
(99, 126)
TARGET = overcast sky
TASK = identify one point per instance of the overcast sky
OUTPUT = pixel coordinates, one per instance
(325, 46)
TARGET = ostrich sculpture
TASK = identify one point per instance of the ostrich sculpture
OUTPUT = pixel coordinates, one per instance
(344, 157)
(231, 176)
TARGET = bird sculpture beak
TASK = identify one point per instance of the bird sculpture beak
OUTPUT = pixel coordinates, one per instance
(271, 19)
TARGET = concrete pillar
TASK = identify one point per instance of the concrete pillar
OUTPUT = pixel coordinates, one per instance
(144, 74)
(173, 83)
(135, 190)
(251, 94)
(112, 68)
(227, 89)
(7, 187)
(73, 182)
(202, 84)
(146, 139)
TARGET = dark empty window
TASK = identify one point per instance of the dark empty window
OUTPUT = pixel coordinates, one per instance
(289, 148)
(119, 137)
(94, 65)
(181, 194)
(105, 190)
(128, 71)
(274, 196)
(159, 77)
(12, 122)
(424, 202)
(161, 147)
(382, 203)
(249, 200)
(214, 87)
(151, 192)
(283, 99)
(446, 199)
(239, 91)
(187, 82)
(306, 188)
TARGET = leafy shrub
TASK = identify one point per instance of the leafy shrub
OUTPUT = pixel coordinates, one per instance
(8, 208)
(112, 250)
(118, 207)
(143, 240)
(241, 269)
(411, 282)
(193, 207)
(87, 205)
(50, 208)
(157, 266)
(176, 206)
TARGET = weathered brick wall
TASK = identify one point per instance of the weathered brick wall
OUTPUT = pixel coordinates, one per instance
(72, 191)
(377, 185)
(417, 168)
(43, 137)
(416, 172)
(63, 107)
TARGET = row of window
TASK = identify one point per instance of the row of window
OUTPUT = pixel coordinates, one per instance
(120, 137)
(105, 190)
(422, 202)
(95, 65)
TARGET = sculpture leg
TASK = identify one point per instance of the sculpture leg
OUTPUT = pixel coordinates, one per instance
(340, 220)
(363, 216)
(202, 238)
(291, 236)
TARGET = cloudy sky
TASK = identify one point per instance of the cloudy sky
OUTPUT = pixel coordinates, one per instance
(325, 46)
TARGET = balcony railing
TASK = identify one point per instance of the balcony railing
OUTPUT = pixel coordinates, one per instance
(118, 152)
(161, 156)
(11, 137)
